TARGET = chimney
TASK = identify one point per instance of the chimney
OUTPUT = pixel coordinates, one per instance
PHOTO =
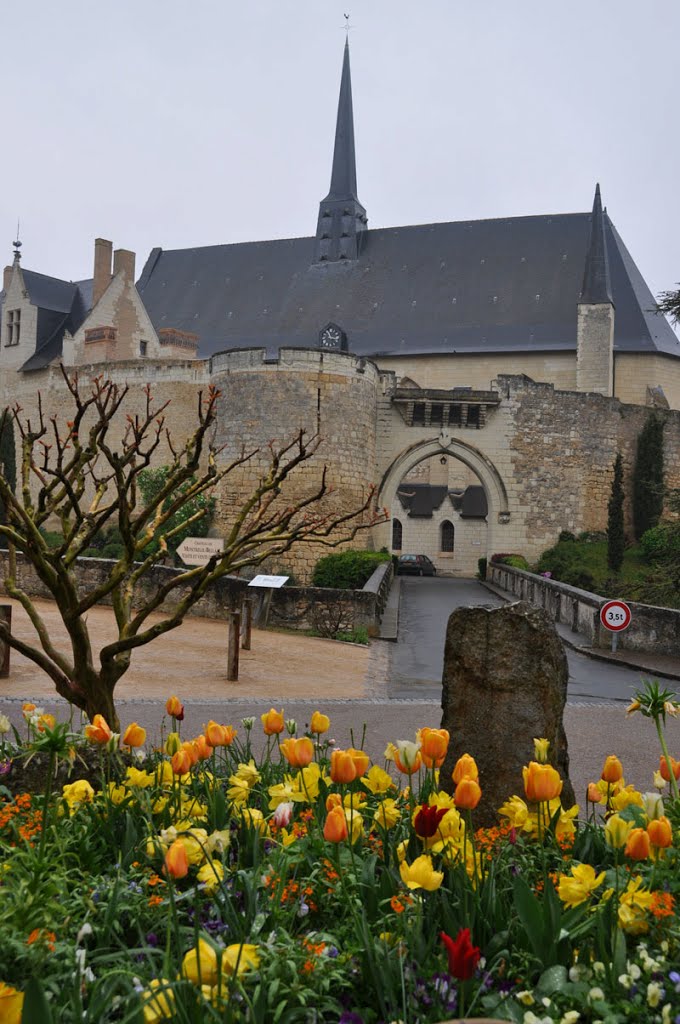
(124, 261)
(102, 268)
(6, 277)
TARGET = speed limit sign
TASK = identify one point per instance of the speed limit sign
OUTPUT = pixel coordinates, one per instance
(615, 616)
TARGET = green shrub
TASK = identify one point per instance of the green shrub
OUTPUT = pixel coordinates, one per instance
(580, 578)
(53, 538)
(514, 561)
(353, 636)
(481, 568)
(347, 570)
(662, 542)
(112, 551)
(566, 535)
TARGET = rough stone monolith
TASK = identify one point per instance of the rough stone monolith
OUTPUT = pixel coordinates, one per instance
(504, 683)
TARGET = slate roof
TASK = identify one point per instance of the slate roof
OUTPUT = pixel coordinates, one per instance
(62, 306)
(506, 285)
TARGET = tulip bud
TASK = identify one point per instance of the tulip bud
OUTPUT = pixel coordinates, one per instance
(248, 723)
(291, 726)
(172, 743)
(342, 767)
(468, 794)
(433, 746)
(660, 832)
(617, 830)
(541, 747)
(594, 794)
(272, 722)
(335, 828)
(361, 761)
(541, 782)
(203, 748)
(653, 805)
(466, 768)
(181, 762)
(134, 736)
(637, 844)
(319, 723)
(407, 757)
(175, 708)
(612, 770)
(176, 861)
(663, 768)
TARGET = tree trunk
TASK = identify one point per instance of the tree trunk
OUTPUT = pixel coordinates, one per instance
(100, 702)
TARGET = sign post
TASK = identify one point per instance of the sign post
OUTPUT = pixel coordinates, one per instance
(269, 584)
(615, 616)
(199, 550)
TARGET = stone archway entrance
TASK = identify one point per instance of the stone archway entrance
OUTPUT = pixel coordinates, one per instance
(483, 469)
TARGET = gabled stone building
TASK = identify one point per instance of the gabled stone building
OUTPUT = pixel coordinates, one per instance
(493, 368)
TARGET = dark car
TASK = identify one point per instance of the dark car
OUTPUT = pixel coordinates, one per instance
(415, 565)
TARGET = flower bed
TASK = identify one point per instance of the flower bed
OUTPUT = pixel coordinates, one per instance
(195, 883)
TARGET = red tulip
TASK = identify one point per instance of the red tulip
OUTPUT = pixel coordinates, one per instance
(463, 956)
(426, 821)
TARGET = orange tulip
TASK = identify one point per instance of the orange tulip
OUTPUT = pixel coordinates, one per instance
(660, 832)
(272, 722)
(433, 746)
(46, 721)
(333, 800)
(637, 846)
(594, 794)
(319, 723)
(181, 762)
(613, 769)
(298, 753)
(176, 861)
(343, 768)
(468, 794)
(203, 748)
(541, 782)
(466, 768)
(175, 708)
(408, 759)
(99, 731)
(191, 749)
(361, 761)
(134, 736)
(219, 735)
(663, 768)
(335, 829)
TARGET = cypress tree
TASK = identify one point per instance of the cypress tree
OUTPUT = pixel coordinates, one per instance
(648, 488)
(615, 535)
(8, 459)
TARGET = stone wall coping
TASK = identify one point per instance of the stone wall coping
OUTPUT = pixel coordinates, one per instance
(586, 596)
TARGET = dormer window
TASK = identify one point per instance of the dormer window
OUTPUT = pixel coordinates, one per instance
(13, 326)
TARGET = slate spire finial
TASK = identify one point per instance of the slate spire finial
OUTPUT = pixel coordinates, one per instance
(342, 218)
(596, 280)
(17, 247)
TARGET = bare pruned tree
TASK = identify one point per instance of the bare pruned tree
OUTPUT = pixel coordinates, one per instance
(89, 482)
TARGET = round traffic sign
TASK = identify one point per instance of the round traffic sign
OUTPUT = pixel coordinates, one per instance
(615, 616)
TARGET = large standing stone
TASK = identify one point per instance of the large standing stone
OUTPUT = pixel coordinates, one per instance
(504, 683)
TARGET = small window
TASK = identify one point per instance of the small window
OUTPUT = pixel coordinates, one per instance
(13, 326)
(419, 414)
(447, 537)
(396, 535)
(473, 416)
(437, 415)
(142, 348)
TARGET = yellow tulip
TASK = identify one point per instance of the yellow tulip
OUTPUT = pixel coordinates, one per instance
(200, 964)
(575, 889)
(240, 958)
(158, 1002)
(172, 743)
(99, 731)
(468, 794)
(612, 770)
(387, 814)
(433, 746)
(377, 780)
(11, 1004)
(541, 747)
(541, 782)
(616, 831)
(421, 874)
(319, 723)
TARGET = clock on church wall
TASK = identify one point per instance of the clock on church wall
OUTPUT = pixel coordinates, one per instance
(333, 337)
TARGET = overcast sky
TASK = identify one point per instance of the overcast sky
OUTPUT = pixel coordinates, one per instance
(179, 123)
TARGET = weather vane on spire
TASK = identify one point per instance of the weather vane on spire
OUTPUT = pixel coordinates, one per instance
(17, 246)
(347, 25)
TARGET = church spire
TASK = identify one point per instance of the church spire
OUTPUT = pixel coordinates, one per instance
(596, 282)
(342, 218)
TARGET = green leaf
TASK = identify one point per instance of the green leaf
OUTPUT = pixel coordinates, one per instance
(554, 979)
(36, 1008)
(530, 914)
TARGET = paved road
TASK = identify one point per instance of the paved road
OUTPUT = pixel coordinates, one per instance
(418, 656)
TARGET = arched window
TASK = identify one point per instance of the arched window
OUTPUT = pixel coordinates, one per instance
(447, 536)
(396, 535)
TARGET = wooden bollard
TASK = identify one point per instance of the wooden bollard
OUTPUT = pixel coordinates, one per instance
(247, 624)
(232, 649)
(6, 617)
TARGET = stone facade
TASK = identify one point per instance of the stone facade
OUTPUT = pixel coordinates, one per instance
(595, 347)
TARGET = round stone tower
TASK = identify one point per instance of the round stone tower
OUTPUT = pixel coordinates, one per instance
(267, 401)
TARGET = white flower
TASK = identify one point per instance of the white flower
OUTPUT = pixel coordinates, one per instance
(653, 805)
(654, 994)
(5, 724)
(291, 726)
(83, 933)
(570, 1017)
(625, 980)
(595, 994)
(598, 967)
(408, 752)
(525, 997)
(282, 814)
(659, 781)
(634, 971)
(579, 972)
(247, 723)
(666, 1014)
